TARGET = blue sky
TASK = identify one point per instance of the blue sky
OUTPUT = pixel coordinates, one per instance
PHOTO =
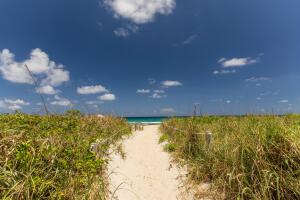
(151, 57)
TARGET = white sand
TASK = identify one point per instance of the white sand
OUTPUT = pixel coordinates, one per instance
(146, 172)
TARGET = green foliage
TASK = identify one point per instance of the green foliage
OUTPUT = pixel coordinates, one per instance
(49, 157)
(251, 157)
(74, 113)
(163, 138)
(170, 147)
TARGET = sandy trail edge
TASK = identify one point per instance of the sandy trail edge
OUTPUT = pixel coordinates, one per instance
(146, 172)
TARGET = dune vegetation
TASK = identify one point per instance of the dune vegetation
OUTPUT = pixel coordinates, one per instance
(56, 156)
(249, 157)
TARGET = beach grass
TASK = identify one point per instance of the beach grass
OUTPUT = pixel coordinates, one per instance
(249, 157)
(50, 157)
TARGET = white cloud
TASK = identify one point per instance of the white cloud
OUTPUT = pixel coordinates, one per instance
(258, 98)
(143, 91)
(236, 62)
(107, 97)
(159, 91)
(47, 72)
(258, 79)
(140, 11)
(60, 101)
(121, 32)
(56, 76)
(284, 101)
(228, 101)
(167, 110)
(94, 89)
(157, 96)
(221, 60)
(12, 70)
(93, 102)
(190, 39)
(224, 71)
(126, 31)
(47, 89)
(13, 104)
(169, 83)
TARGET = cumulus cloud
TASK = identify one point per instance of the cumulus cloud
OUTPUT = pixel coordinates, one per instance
(236, 62)
(13, 104)
(169, 83)
(47, 89)
(60, 101)
(94, 89)
(143, 91)
(107, 97)
(46, 71)
(140, 11)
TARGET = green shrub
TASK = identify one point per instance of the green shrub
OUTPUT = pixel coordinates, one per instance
(49, 157)
(251, 157)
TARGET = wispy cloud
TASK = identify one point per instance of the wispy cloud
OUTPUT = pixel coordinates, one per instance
(284, 101)
(143, 91)
(171, 83)
(167, 111)
(190, 39)
(224, 71)
(236, 62)
(267, 93)
(157, 96)
(257, 79)
(159, 91)
(121, 32)
(11, 104)
(140, 12)
(93, 102)
(233, 63)
(151, 81)
(126, 30)
(93, 89)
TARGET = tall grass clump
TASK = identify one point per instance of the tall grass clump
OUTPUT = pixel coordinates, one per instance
(49, 157)
(250, 157)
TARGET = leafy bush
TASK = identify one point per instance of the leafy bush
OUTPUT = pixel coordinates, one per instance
(251, 157)
(49, 157)
(74, 113)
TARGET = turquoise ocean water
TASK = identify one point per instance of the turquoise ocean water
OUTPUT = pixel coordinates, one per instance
(146, 120)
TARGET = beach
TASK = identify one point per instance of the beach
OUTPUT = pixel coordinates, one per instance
(147, 172)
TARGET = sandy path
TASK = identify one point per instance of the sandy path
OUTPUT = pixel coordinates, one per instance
(145, 173)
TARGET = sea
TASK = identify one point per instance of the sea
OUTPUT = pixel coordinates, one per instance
(146, 120)
(149, 120)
